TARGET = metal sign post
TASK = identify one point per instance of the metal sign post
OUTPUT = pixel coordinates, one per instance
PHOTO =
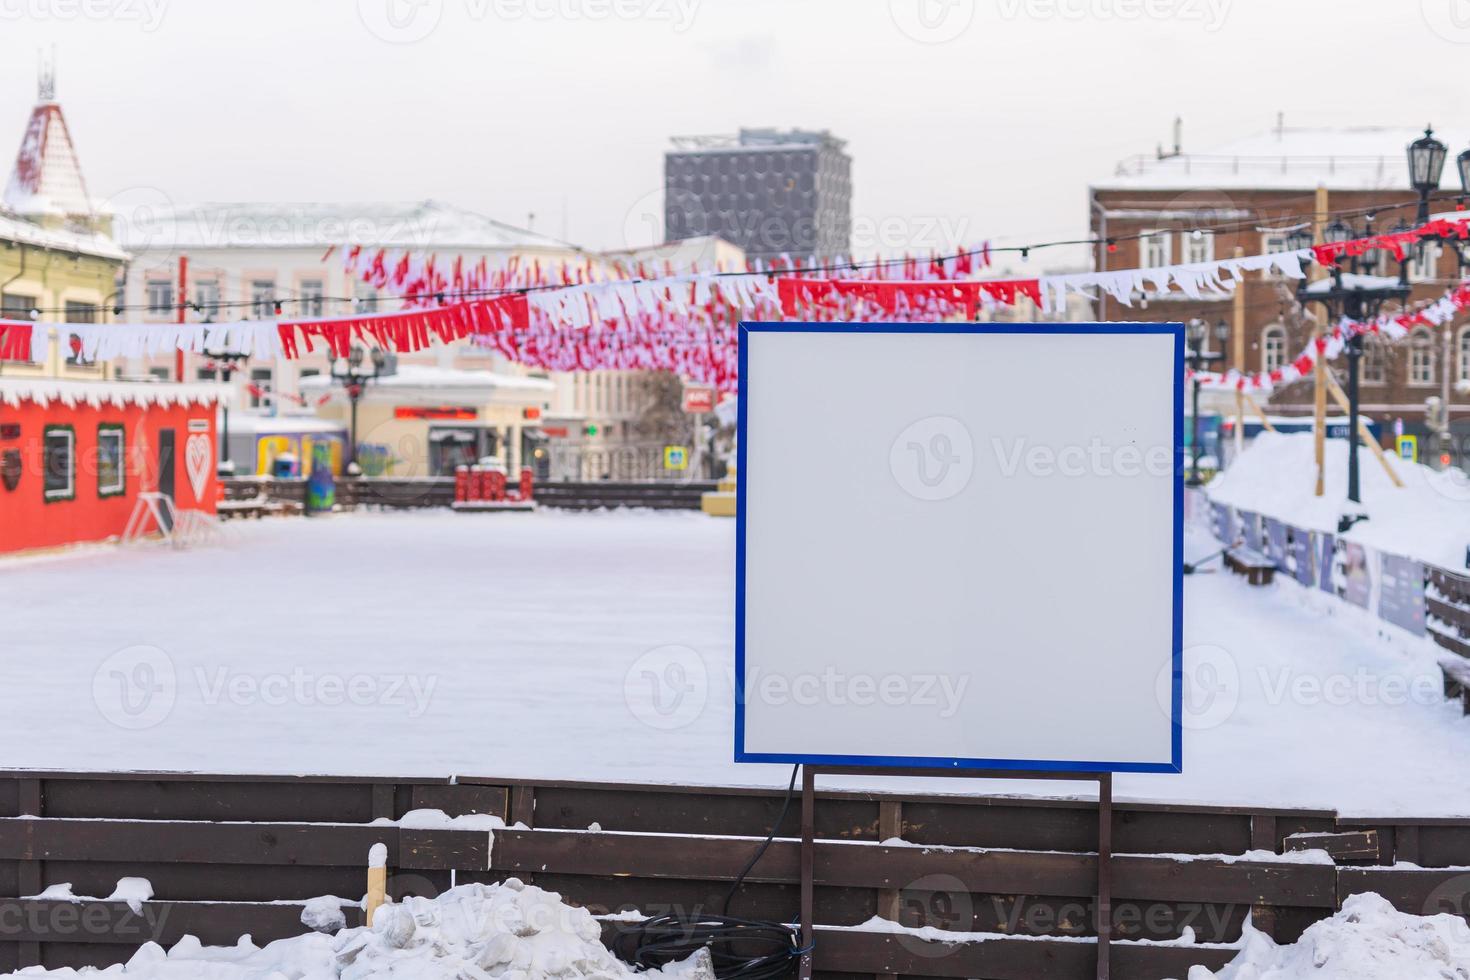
(1102, 909)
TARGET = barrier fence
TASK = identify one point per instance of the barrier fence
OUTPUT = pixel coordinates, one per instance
(230, 855)
(1416, 596)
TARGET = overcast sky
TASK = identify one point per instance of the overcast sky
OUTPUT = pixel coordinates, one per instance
(966, 119)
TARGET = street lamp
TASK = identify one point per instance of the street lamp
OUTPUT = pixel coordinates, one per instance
(1196, 332)
(354, 375)
(1426, 163)
(1358, 299)
(228, 362)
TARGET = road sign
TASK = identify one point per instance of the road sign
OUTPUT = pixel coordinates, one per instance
(910, 586)
(699, 399)
(676, 457)
(1408, 447)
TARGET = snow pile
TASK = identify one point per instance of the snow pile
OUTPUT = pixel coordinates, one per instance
(510, 931)
(1426, 519)
(1368, 940)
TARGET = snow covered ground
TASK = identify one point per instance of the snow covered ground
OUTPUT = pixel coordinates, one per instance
(599, 646)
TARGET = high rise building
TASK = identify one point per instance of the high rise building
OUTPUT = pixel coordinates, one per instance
(772, 192)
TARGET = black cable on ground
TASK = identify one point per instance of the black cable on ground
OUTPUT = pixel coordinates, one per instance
(740, 949)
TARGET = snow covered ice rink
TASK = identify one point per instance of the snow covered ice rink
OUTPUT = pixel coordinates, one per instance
(600, 646)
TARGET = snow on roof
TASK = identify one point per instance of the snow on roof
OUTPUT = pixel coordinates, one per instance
(242, 423)
(72, 392)
(423, 225)
(1290, 158)
(59, 239)
(440, 378)
(47, 178)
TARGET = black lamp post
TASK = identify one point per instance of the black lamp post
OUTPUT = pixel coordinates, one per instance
(228, 362)
(1426, 163)
(1195, 333)
(354, 375)
(1358, 299)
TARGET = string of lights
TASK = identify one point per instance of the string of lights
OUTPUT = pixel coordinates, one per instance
(821, 267)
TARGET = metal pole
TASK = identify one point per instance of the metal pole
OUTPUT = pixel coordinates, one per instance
(1354, 353)
(1104, 873)
(808, 866)
(352, 437)
(1195, 447)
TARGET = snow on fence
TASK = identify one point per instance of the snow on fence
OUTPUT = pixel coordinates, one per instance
(230, 855)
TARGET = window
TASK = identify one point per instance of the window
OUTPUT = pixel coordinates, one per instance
(206, 297)
(160, 373)
(160, 297)
(1153, 249)
(78, 313)
(1421, 357)
(1425, 264)
(1273, 348)
(1273, 241)
(312, 298)
(308, 372)
(59, 462)
(81, 312)
(1375, 365)
(262, 298)
(261, 379)
(1199, 246)
(1464, 354)
(366, 296)
(206, 374)
(111, 469)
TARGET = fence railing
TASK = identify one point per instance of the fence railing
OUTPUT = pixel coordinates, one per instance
(229, 855)
(1414, 595)
(400, 492)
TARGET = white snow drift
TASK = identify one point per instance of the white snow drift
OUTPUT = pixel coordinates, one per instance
(511, 931)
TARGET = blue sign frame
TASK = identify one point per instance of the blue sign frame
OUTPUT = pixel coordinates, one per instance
(1175, 765)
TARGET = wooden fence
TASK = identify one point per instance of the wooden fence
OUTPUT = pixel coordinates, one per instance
(228, 855)
(403, 492)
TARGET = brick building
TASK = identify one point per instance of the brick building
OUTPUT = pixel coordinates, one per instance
(1253, 192)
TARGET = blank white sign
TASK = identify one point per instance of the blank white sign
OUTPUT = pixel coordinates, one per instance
(960, 545)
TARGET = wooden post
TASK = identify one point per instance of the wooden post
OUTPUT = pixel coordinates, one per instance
(890, 825)
(1239, 421)
(1319, 371)
(1339, 396)
(377, 881)
(1260, 413)
(1104, 874)
(808, 865)
(1237, 321)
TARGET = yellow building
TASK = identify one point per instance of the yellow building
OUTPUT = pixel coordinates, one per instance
(58, 262)
(426, 421)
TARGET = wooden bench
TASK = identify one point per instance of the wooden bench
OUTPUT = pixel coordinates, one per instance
(1456, 671)
(1256, 567)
